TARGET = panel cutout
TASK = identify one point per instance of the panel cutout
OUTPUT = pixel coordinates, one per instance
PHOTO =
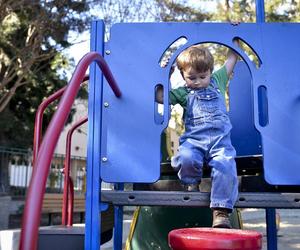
(159, 104)
(263, 115)
(249, 51)
(164, 60)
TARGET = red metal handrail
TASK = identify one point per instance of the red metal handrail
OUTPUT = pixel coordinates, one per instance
(66, 217)
(38, 123)
(33, 205)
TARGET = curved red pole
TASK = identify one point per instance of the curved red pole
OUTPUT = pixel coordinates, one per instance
(38, 124)
(33, 205)
(67, 169)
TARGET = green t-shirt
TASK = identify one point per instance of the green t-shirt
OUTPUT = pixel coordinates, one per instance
(179, 95)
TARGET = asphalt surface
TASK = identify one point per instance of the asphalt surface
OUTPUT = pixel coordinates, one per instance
(289, 226)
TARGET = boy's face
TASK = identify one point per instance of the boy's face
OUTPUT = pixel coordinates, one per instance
(195, 79)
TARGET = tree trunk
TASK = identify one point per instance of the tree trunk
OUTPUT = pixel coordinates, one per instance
(227, 10)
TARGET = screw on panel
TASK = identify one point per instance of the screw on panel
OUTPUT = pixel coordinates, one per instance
(107, 52)
(106, 104)
(104, 159)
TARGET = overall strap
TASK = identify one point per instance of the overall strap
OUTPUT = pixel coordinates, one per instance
(213, 83)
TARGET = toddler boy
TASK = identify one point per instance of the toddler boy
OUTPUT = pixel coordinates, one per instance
(207, 129)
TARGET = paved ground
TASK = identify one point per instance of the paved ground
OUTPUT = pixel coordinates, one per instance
(254, 219)
(126, 227)
(289, 227)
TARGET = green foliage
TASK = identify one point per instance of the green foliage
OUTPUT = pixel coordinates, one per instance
(33, 35)
(282, 11)
(179, 11)
(228, 10)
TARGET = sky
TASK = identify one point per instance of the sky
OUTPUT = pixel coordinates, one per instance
(82, 46)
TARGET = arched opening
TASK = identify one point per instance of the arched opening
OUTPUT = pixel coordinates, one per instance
(239, 105)
(169, 52)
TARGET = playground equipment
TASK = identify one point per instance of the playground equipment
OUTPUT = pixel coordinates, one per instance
(68, 197)
(125, 130)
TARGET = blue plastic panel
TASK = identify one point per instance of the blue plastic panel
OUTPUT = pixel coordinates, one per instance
(130, 135)
(244, 136)
(281, 106)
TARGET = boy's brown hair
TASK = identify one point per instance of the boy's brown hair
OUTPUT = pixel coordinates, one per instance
(196, 57)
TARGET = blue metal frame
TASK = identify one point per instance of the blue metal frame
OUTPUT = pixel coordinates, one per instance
(118, 222)
(93, 184)
(118, 229)
(271, 229)
(260, 11)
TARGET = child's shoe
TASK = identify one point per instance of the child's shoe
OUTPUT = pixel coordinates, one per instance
(221, 218)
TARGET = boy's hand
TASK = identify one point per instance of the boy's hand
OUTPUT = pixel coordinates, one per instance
(159, 94)
(236, 23)
(232, 57)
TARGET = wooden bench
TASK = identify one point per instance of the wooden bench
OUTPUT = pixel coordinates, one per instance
(52, 204)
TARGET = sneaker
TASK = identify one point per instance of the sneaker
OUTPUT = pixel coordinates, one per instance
(221, 218)
(191, 187)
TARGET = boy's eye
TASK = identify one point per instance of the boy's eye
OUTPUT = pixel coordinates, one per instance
(202, 77)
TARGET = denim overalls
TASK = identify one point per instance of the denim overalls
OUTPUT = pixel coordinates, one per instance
(207, 139)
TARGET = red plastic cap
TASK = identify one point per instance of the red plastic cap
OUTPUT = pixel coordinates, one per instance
(214, 239)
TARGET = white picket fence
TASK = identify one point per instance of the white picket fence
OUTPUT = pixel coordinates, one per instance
(19, 175)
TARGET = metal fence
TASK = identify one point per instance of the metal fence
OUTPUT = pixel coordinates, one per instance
(16, 170)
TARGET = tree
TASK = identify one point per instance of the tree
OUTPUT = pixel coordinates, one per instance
(33, 34)
(179, 11)
(230, 10)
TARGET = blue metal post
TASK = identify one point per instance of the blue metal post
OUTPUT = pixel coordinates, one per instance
(270, 212)
(271, 228)
(260, 11)
(118, 227)
(93, 215)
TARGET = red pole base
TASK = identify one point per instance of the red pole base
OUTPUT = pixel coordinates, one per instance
(214, 239)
